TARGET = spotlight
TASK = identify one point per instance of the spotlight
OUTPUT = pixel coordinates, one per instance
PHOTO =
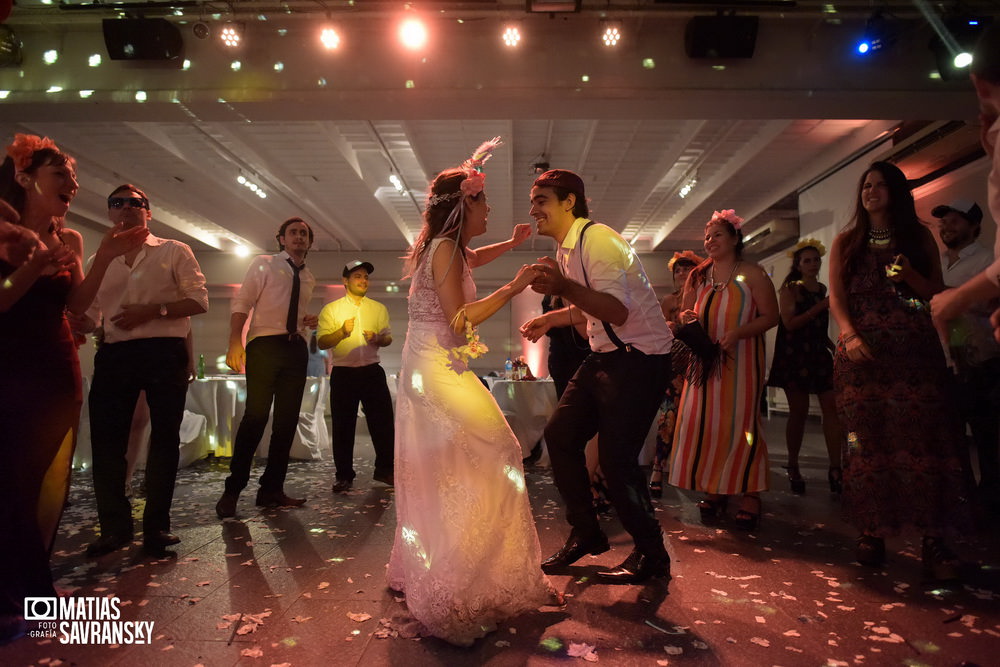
(142, 39)
(952, 46)
(232, 35)
(511, 36)
(880, 33)
(413, 34)
(612, 34)
(540, 167)
(200, 30)
(329, 38)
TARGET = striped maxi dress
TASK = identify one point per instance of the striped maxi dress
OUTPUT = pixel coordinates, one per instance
(719, 439)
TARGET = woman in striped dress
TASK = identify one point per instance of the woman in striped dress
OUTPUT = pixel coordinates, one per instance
(719, 444)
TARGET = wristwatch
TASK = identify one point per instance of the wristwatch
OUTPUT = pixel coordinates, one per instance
(163, 310)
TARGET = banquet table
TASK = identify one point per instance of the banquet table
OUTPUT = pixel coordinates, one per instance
(527, 406)
(212, 413)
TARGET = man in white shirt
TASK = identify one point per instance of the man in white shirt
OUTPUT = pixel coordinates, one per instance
(354, 328)
(617, 389)
(146, 301)
(277, 288)
(975, 353)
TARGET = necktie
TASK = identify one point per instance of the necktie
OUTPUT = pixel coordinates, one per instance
(292, 323)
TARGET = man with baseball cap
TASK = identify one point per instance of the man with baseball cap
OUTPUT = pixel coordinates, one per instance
(617, 389)
(354, 327)
(975, 353)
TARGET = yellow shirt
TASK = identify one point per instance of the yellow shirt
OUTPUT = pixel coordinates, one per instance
(369, 315)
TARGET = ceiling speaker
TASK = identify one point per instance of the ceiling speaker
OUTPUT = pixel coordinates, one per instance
(721, 36)
(142, 39)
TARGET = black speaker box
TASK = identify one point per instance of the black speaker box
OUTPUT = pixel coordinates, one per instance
(720, 37)
(142, 39)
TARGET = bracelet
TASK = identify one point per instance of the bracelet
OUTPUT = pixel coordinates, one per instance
(848, 339)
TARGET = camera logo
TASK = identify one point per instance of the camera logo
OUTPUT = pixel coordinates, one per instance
(40, 609)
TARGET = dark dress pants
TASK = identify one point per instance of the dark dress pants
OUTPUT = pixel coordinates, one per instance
(349, 387)
(614, 395)
(121, 371)
(276, 373)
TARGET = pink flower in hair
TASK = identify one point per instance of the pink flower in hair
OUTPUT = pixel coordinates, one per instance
(728, 215)
(24, 148)
(473, 183)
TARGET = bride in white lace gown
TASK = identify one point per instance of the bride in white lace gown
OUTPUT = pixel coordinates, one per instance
(466, 552)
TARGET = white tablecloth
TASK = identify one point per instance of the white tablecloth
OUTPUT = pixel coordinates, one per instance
(527, 405)
(212, 414)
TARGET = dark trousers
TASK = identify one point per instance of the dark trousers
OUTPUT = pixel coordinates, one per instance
(276, 373)
(615, 395)
(349, 387)
(979, 389)
(121, 371)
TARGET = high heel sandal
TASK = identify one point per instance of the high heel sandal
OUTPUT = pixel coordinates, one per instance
(940, 563)
(870, 551)
(745, 519)
(836, 478)
(712, 508)
(795, 480)
(656, 485)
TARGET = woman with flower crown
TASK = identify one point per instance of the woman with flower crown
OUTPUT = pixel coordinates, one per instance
(719, 440)
(40, 393)
(803, 359)
(466, 553)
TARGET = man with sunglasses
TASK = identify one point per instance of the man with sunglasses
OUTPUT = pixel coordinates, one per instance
(145, 301)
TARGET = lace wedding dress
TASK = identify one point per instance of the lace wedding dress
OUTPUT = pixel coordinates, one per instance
(466, 552)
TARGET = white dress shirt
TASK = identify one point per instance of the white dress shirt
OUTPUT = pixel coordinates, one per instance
(972, 259)
(613, 267)
(354, 351)
(266, 290)
(164, 271)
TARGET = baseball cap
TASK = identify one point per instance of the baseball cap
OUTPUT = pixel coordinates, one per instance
(358, 264)
(965, 207)
(561, 178)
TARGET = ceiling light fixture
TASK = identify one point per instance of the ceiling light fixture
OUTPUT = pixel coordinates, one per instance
(511, 36)
(953, 43)
(201, 30)
(413, 34)
(329, 38)
(611, 34)
(397, 183)
(232, 34)
(880, 33)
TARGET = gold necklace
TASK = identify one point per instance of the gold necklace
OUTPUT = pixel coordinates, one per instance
(880, 237)
(718, 287)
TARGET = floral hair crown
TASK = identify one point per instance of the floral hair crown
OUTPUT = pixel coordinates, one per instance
(808, 243)
(729, 215)
(24, 148)
(475, 179)
(686, 256)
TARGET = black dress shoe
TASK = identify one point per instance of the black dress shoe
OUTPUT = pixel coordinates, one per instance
(226, 507)
(105, 544)
(277, 499)
(342, 485)
(575, 549)
(385, 476)
(157, 543)
(638, 567)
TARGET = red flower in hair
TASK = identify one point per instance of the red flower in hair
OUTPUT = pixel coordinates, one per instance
(24, 148)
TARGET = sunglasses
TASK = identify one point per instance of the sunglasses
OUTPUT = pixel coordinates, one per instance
(131, 202)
